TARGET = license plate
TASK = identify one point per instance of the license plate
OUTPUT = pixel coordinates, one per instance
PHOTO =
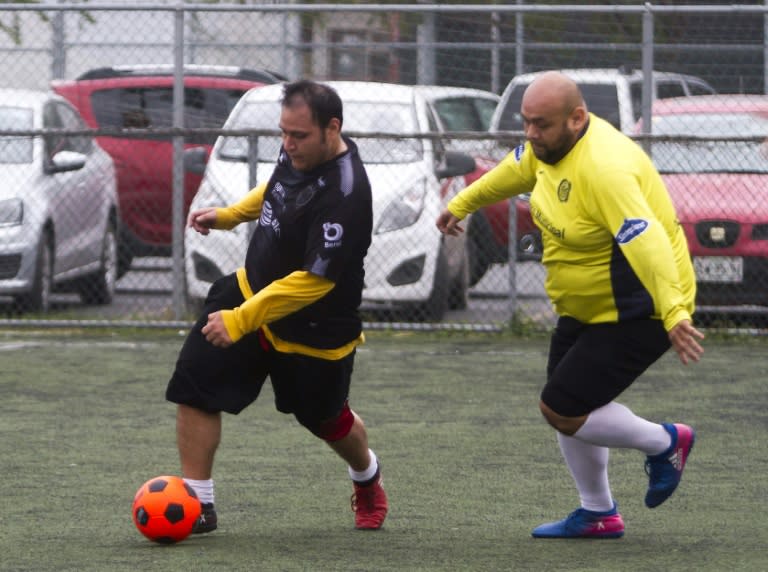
(719, 268)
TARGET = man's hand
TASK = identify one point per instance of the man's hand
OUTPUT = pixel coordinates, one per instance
(215, 332)
(448, 224)
(202, 220)
(684, 338)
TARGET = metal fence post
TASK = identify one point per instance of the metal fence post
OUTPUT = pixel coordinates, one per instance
(647, 63)
(178, 288)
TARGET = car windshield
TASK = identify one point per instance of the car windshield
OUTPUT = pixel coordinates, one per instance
(359, 117)
(711, 156)
(15, 150)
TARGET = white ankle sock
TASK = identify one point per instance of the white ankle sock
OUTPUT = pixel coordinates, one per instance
(204, 489)
(367, 474)
(614, 425)
(589, 468)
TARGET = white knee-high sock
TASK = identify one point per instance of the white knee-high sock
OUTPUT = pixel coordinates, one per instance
(589, 468)
(614, 425)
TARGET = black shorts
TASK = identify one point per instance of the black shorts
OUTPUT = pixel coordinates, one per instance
(590, 365)
(229, 379)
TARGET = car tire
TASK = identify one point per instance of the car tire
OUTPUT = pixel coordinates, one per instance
(434, 308)
(99, 288)
(479, 245)
(124, 258)
(457, 297)
(38, 299)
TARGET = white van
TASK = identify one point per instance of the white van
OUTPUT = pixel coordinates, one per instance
(613, 94)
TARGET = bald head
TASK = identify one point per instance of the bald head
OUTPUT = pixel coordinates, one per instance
(554, 115)
(555, 92)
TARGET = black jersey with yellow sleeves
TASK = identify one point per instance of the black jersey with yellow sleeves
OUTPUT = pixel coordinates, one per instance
(613, 247)
(303, 274)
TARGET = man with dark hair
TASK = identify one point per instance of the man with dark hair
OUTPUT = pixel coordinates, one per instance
(620, 277)
(291, 312)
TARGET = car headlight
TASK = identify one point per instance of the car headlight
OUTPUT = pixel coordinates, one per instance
(404, 210)
(11, 212)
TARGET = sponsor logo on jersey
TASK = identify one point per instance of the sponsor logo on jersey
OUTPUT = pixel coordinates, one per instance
(631, 229)
(279, 193)
(267, 217)
(546, 224)
(332, 233)
(564, 190)
(519, 152)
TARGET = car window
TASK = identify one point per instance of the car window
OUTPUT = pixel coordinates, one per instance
(465, 113)
(510, 119)
(126, 108)
(362, 117)
(485, 109)
(702, 156)
(699, 88)
(603, 100)
(665, 89)
(15, 150)
(70, 120)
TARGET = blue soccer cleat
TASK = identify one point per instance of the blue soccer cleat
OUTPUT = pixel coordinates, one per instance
(583, 523)
(666, 469)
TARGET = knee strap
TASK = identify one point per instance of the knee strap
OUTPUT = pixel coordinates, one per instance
(334, 429)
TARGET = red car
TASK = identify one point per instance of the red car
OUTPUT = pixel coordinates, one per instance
(488, 231)
(718, 181)
(130, 97)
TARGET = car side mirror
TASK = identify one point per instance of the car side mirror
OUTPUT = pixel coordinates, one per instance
(195, 160)
(65, 161)
(455, 164)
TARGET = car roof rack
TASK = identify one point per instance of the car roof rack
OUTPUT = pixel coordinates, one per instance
(234, 72)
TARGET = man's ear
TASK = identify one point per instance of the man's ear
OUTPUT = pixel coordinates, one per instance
(579, 118)
(334, 125)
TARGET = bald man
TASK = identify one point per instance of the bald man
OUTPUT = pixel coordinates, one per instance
(620, 278)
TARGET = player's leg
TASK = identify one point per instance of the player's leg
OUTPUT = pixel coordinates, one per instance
(589, 367)
(316, 392)
(206, 381)
(598, 516)
(617, 354)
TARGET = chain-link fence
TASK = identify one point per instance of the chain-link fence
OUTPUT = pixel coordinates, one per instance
(87, 239)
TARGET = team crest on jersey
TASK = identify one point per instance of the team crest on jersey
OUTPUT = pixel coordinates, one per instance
(519, 152)
(631, 229)
(306, 195)
(332, 233)
(564, 190)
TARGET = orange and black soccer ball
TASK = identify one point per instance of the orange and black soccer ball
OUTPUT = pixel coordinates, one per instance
(165, 509)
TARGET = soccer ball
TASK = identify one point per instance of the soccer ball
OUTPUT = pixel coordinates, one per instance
(165, 509)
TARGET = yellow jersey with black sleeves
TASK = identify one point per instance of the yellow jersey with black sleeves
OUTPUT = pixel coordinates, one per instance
(614, 249)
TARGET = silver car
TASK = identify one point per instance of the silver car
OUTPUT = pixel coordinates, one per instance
(58, 204)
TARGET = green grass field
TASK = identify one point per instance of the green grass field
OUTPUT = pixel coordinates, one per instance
(469, 465)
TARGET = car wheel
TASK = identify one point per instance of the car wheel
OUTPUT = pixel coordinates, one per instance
(434, 308)
(457, 298)
(99, 288)
(479, 244)
(38, 299)
(124, 258)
